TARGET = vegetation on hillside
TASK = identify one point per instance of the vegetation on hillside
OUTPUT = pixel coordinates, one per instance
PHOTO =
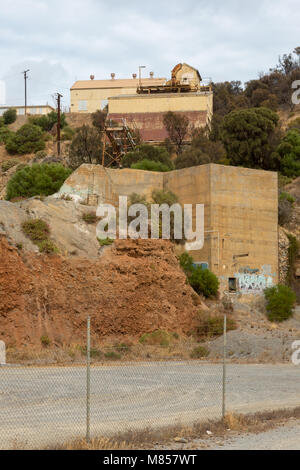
(203, 281)
(38, 179)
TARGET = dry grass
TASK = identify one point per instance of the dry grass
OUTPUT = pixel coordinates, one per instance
(149, 438)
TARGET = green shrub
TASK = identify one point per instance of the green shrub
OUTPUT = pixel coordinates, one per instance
(45, 340)
(67, 133)
(5, 134)
(286, 196)
(186, 263)
(213, 325)
(292, 256)
(122, 347)
(38, 179)
(90, 217)
(27, 139)
(9, 164)
(150, 165)
(9, 116)
(47, 246)
(105, 241)
(158, 337)
(40, 155)
(203, 281)
(199, 352)
(112, 355)
(280, 301)
(47, 121)
(148, 152)
(36, 229)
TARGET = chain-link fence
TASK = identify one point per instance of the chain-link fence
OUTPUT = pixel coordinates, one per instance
(113, 389)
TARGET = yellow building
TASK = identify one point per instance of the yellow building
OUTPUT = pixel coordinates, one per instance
(36, 109)
(145, 112)
(87, 96)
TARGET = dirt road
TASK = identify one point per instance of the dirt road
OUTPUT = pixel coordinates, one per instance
(40, 405)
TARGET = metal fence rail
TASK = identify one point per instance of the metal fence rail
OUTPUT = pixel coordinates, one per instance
(47, 405)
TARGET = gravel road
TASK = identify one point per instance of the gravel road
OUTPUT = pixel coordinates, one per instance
(285, 437)
(44, 405)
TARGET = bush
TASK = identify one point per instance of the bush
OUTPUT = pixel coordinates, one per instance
(213, 325)
(199, 352)
(9, 116)
(8, 164)
(67, 133)
(45, 340)
(204, 282)
(5, 134)
(90, 217)
(150, 165)
(47, 246)
(40, 155)
(286, 196)
(112, 355)
(147, 152)
(47, 121)
(38, 179)
(285, 211)
(105, 241)
(86, 147)
(27, 139)
(158, 337)
(280, 301)
(36, 229)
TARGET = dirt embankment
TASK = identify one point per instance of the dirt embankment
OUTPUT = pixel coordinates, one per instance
(136, 286)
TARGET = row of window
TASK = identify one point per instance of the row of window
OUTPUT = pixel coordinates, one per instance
(21, 111)
(83, 105)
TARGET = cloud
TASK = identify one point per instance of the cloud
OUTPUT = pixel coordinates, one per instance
(61, 41)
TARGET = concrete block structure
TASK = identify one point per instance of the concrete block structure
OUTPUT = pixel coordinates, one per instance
(240, 214)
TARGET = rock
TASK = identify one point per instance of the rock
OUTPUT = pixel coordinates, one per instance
(180, 439)
(209, 433)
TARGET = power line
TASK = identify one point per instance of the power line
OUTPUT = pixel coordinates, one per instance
(25, 82)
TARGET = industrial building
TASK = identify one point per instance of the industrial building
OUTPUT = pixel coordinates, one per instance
(142, 102)
(30, 109)
(240, 214)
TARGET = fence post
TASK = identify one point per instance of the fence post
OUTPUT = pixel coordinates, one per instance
(88, 378)
(224, 367)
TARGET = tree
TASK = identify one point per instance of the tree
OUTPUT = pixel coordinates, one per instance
(177, 127)
(250, 137)
(98, 120)
(150, 165)
(29, 138)
(47, 121)
(147, 152)
(280, 301)
(289, 154)
(202, 150)
(203, 281)
(86, 147)
(9, 116)
(44, 179)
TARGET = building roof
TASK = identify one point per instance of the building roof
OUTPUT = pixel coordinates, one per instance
(117, 83)
(28, 106)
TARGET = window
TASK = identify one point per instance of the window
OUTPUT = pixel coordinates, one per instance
(202, 264)
(21, 111)
(82, 105)
(232, 284)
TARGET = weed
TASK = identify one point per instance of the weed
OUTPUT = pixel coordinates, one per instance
(45, 340)
(105, 241)
(47, 246)
(90, 217)
(36, 229)
(199, 352)
(112, 355)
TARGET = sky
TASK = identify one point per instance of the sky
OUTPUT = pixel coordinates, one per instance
(61, 41)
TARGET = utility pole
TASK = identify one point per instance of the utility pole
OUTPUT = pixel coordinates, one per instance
(58, 123)
(25, 82)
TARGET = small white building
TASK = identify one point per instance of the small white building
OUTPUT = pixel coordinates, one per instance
(38, 109)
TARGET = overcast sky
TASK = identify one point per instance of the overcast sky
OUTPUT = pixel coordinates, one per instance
(64, 40)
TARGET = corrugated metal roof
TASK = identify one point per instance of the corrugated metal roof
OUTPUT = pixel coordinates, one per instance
(117, 83)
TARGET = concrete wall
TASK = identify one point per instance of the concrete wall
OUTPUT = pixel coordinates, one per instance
(240, 213)
(160, 103)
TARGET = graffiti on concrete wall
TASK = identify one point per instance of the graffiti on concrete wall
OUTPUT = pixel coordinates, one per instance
(251, 280)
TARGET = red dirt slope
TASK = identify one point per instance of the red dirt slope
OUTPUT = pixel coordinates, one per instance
(136, 286)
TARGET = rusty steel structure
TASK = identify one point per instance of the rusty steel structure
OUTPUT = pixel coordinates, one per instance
(121, 139)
